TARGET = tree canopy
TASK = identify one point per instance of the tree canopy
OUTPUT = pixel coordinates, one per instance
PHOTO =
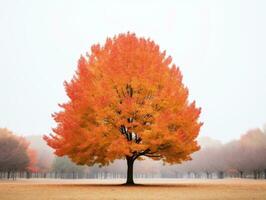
(15, 154)
(126, 100)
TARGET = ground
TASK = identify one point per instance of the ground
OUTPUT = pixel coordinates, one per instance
(45, 189)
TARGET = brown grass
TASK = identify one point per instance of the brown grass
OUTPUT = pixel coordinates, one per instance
(150, 189)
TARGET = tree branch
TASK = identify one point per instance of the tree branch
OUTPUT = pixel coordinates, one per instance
(155, 156)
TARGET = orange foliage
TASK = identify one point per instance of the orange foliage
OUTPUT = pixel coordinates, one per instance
(31, 154)
(126, 99)
(33, 160)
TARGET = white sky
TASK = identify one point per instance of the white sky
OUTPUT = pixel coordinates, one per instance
(220, 47)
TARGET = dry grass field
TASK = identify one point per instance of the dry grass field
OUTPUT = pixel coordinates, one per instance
(149, 189)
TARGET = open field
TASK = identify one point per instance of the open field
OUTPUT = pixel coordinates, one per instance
(43, 189)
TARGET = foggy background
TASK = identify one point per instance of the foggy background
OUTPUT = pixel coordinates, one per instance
(219, 45)
(242, 158)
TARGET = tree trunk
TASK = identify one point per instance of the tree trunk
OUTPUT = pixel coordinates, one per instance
(130, 162)
(28, 175)
(255, 174)
(208, 175)
(241, 174)
(220, 174)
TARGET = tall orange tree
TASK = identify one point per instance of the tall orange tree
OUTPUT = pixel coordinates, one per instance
(126, 100)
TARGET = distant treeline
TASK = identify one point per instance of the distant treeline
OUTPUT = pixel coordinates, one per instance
(243, 158)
